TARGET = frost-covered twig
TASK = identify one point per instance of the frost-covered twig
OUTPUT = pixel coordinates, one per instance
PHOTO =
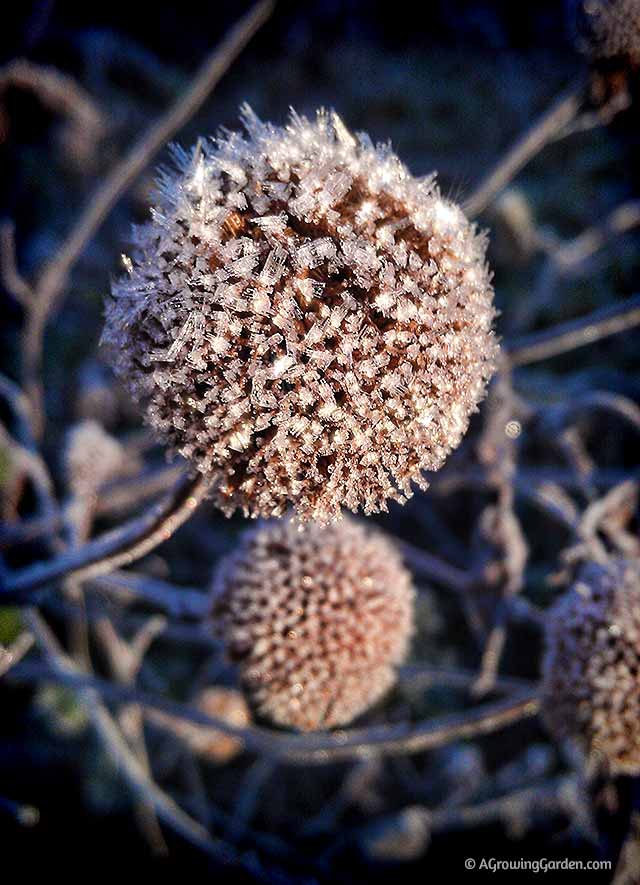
(115, 548)
(176, 602)
(323, 747)
(137, 779)
(53, 278)
(545, 130)
(14, 653)
(576, 333)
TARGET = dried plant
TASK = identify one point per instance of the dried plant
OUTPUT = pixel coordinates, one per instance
(612, 29)
(318, 620)
(591, 681)
(225, 704)
(310, 324)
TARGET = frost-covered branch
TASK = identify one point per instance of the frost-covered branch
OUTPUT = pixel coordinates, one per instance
(545, 130)
(115, 548)
(576, 333)
(53, 278)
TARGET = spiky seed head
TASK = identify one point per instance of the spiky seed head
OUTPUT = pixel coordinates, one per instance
(591, 670)
(317, 620)
(309, 323)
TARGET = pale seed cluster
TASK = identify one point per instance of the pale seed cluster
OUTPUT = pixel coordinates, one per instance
(317, 620)
(92, 457)
(591, 671)
(211, 743)
(309, 324)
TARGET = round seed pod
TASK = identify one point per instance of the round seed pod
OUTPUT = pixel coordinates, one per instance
(609, 36)
(591, 670)
(226, 704)
(317, 620)
(308, 324)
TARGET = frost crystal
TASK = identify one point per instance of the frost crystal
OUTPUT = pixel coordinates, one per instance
(317, 619)
(309, 324)
(591, 673)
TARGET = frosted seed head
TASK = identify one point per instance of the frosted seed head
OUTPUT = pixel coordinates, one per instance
(317, 620)
(591, 669)
(299, 299)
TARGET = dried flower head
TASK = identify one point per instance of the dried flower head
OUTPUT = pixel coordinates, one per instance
(611, 28)
(316, 619)
(91, 458)
(610, 38)
(310, 324)
(591, 673)
(220, 703)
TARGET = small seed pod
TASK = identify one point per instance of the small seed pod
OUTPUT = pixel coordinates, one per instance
(591, 670)
(308, 323)
(92, 457)
(220, 703)
(317, 620)
(609, 35)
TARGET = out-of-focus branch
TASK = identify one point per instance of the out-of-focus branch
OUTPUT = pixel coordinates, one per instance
(321, 748)
(546, 129)
(10, 656)
(52, 280)
(115, 548)
(138, 780)
(576, 333)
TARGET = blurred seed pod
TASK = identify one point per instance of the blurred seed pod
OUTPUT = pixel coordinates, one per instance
(317, 620)
(609, 36)
(591, 670)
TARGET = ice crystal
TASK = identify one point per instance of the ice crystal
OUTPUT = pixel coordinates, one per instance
(309, 324)
(591, 678)
(317, 620)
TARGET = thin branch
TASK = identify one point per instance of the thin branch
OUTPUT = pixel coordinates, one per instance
(545, 130)
(113, 549)
(576, 333)
(176, 602)
(14, 283)
(319, 747)
(53, 279)
(114, 499)
(432, 568)
(569, 256)
(127, 765)
(10, 656)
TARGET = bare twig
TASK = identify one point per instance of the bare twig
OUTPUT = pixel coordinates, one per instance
(576, 333)
(431, 568)
(128, 766)
(545, 130)
(113, 549)
(176, 602)
(10, 656)
(320, 748)
(13, 282)
(52, 280)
